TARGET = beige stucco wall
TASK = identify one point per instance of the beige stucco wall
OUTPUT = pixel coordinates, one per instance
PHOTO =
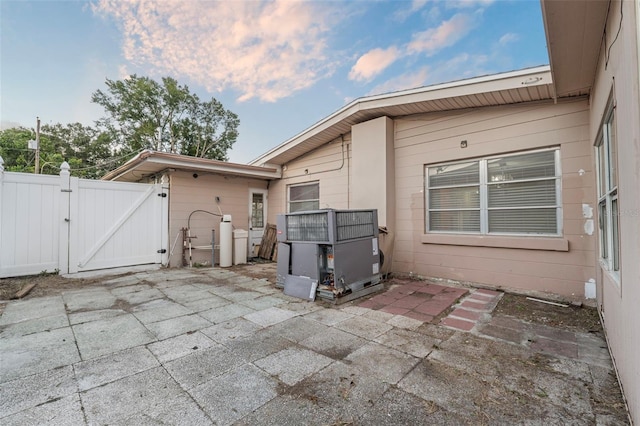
(188, 194)
(373, 178)
(499, 262)
(619, 299)
(329, 165)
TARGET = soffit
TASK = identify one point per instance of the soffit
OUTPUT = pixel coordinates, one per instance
(574, 31)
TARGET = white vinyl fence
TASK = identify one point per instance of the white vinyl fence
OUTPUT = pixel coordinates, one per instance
(66, 224)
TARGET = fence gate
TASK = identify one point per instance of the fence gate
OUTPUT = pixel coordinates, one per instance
(67, 224)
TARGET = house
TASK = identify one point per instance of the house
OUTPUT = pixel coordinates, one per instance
(200, 192)
(525, 181)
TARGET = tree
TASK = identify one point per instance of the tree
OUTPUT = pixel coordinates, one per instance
(166, 117)
(87, 150)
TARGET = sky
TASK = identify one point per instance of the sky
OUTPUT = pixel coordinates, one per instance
(280, 65)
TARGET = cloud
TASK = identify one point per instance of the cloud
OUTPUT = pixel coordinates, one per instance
(445, 35)
(508, 38)
(263, 50)
(403, 13)
(402, 82)
(373, 63)
(467, 4)
(459, 67)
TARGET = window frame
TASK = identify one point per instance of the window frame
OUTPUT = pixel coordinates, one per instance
(295, 185)
(608, 192)
(483, 185)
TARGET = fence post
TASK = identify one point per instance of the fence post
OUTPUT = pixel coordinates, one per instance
(65, 193)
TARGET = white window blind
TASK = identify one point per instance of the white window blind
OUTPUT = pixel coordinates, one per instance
(514, 194)
(304, 197)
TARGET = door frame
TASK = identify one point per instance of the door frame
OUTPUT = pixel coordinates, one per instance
(252, 232)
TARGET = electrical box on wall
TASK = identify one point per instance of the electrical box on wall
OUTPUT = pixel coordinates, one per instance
(333, 254)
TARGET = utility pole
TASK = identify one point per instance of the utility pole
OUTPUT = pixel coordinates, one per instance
(37, 169)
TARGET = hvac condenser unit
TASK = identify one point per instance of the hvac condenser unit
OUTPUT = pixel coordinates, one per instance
(331, 253)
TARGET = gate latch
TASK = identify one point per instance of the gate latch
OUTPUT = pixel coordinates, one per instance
(162, 251)
(163, 195)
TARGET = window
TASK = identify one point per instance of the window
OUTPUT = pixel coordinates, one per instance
(304, 197)
(257, 210)
(607, 155)
(511, 194)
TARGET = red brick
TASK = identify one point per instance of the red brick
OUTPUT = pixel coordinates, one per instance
(431, 289)
(419, 316)
(463, 313)
(394, 310)
(458, 323)
(433, 308)
(459, 292)
(370, 304)
(383, 299)
(407, 303)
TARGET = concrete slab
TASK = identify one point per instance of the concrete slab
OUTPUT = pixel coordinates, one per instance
(241, 295)
(176, 326)
(85, 299)
(99, 371)
(81, 317)
(40, 307)
(397, 407)
(333, 343)
(229, 330)
(409, 342)
(291, 365)
(389, 365)
(445, 386)
(159, 310)
(202, 366)
(297, 329)
(65, 411)
(225, 313)
(26, 355)
(140, 296)
(258, 345)
(329, 316)
(234, 395)
(407, 323)
(107, 336)
(364, 327)
(35, 325)
(35, 390)
(151, 392)
(263, 302)
(207, 302)
(269, 316)
(179, 346)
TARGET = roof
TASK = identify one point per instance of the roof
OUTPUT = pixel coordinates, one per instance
(574, 31)
(149, 163)
(531, 84)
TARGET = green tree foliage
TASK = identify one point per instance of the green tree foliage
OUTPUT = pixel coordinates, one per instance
(167, 117)
(87, 150)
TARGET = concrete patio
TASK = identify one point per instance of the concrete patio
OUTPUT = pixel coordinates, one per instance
(213, 346)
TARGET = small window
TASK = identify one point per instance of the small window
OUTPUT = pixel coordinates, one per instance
(608, 210)
(257, 210)
(304, 197)
(511, 194)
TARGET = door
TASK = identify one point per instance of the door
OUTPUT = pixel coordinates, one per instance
(257, 219)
